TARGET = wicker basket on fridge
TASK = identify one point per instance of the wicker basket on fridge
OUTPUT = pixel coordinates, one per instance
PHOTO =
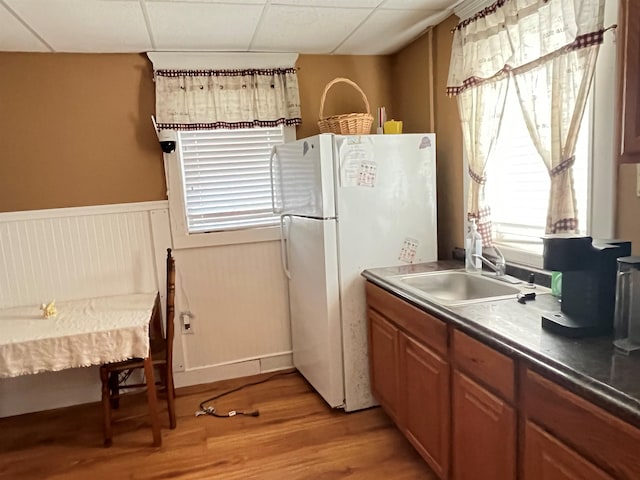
(346, 123)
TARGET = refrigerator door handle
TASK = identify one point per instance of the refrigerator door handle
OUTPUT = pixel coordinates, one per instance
(273, 182)
(284, 245)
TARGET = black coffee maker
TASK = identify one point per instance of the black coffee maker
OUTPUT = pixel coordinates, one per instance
(588, 283)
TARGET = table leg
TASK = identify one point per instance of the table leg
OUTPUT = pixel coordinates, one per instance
(106, 407)
(152, 400)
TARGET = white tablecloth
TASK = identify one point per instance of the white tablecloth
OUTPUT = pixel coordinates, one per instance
(84, 332)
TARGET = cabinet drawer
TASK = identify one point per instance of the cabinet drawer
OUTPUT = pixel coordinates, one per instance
(604, 439)
(422, 326)
(490, 367)
(546, 458)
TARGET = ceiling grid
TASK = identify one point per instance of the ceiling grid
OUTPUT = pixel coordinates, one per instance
(346, 27)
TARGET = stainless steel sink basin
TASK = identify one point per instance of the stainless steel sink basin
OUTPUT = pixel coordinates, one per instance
(456, 287)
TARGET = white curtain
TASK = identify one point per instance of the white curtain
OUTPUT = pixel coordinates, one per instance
(480, 115)
(549, 48)
(554, 125)
(208, 99)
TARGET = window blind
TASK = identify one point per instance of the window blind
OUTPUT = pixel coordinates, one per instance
(226, 178)
(517, 188)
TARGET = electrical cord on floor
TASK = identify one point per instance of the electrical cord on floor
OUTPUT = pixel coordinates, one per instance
(211, 410)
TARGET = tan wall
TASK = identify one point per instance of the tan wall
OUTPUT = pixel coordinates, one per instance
(370, 73)
(449, 142)
(80, 131)
(76, 130)
(411, 83)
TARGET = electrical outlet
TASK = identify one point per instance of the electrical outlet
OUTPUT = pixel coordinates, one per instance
(186, 320)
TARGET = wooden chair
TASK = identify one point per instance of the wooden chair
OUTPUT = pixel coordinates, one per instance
(115, 376)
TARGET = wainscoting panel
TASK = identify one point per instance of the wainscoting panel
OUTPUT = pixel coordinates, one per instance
(238, 297)
(65, 254)
(237, 294)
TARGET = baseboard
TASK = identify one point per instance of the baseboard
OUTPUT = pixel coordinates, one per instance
(51, 390)
(242, 368)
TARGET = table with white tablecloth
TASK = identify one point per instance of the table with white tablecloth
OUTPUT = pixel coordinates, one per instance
(84, 332)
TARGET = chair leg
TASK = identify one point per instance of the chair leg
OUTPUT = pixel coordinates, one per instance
(171, 396)
(152, 399)
(114, 390)
(106, 406)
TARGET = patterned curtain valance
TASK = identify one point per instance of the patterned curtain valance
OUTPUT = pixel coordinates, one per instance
(208, 99)
(513, 36)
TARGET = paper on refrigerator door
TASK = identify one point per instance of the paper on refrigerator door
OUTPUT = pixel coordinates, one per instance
(408, 250)
(357, 165)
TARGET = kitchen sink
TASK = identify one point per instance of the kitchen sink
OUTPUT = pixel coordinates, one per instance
(456, 287)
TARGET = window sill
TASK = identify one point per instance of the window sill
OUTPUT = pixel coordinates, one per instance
(216, 239)
(529, 255)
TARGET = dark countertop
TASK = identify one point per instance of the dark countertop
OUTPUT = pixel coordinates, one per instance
(589, 367)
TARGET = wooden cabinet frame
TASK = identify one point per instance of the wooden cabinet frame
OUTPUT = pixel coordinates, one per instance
(531, 427)
(628, 62)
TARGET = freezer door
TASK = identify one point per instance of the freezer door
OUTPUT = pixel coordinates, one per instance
(302, 177)
(386, 210)
(314, 305)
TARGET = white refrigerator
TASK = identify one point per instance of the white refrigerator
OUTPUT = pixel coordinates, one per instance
(347, 203)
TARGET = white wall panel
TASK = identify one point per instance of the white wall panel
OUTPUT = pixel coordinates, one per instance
(63, 257)
(237, 293)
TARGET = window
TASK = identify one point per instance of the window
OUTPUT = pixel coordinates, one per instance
(518, 183)
(594, 170)
(226, 178)
(224, 182)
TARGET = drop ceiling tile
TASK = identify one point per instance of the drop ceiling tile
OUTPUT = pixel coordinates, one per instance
(329, 3)
(418, 4)
(202, 26)
(86, 25)
(386, 31)
(305, 29)
(15, 37)
(235, 2)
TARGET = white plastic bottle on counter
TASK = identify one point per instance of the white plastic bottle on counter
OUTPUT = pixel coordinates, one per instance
(473, 247)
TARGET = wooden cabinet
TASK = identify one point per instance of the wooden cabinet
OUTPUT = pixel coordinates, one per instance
(484, 421)
(484, 433)
(628, 51)
(470, 416)
(383, 361)
(603, 439)
(409, 376)
(546, 458)
(424, 388)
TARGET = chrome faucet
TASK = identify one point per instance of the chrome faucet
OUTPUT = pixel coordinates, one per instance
(500, 267)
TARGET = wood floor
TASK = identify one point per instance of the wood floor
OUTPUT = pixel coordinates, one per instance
(295, 437)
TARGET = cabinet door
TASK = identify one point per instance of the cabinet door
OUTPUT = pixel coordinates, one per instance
(383, 363)
(484, 433)
(424, 387)
(546, 458)
(629, 81)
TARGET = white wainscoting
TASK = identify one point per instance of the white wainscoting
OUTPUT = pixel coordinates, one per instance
(237, 293)
(238, 296)
(73, 253)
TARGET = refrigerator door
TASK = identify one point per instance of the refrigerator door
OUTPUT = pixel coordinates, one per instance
(314, 302)
(302, 177)
(386, 206)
